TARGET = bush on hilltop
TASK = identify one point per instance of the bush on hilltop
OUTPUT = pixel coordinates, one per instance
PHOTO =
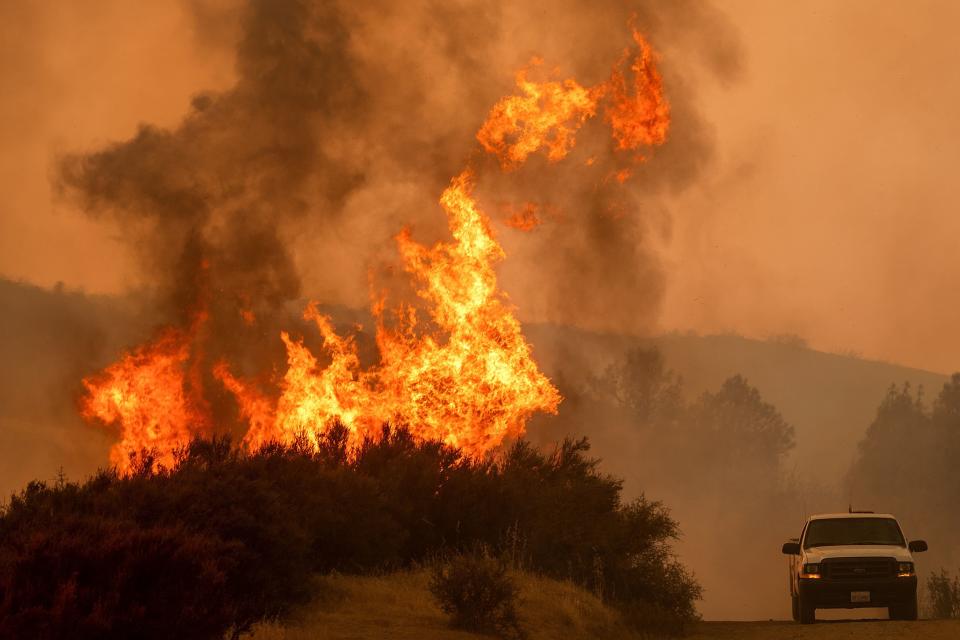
(227, 538)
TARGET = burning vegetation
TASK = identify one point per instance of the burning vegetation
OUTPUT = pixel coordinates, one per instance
(455, 368)
(471, 383)
(224, 538)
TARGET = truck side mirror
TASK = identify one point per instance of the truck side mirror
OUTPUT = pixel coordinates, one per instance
(916, 546)
(793, 548)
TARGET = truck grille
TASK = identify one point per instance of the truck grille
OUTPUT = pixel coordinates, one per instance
(858, 568)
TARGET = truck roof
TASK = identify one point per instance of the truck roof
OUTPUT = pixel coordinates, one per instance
(831, 516)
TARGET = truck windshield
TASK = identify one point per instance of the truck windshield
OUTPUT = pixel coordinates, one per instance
(843, 531)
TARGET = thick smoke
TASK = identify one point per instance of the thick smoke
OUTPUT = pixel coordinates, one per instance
(344, 125)
(346, 122)
(598, 265)
(206, 206)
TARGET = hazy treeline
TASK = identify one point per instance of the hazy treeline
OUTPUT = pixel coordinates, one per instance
(909, 463)
(718, 460)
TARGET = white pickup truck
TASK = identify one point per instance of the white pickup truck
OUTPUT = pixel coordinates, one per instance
(852, 560)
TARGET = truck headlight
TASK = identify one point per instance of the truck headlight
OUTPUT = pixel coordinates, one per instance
(904, 569)
(810, 570)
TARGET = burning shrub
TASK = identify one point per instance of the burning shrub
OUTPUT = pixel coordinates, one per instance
(944, 594)
(248, 531)
(478, 593)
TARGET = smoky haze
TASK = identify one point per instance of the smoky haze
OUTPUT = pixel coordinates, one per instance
(344, 124)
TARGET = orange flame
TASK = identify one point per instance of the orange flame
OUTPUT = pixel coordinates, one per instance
(152, 396)
(640, 117)
(467, 379)
(549, 114)
(470, 383)
(481, 385)
(311, 398)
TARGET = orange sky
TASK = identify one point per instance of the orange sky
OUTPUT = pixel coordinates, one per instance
(830, 212)
(834, 213)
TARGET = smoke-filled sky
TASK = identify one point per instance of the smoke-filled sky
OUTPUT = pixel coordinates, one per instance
(808, 188)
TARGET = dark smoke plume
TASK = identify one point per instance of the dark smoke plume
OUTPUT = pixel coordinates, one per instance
(206, 206)
(346, 121)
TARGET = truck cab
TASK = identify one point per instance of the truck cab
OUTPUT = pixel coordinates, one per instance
(852, 560)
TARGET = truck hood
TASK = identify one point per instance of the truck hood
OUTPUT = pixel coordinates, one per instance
(817, 554)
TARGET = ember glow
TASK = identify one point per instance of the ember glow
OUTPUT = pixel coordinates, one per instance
(464, 374)
(524, 218)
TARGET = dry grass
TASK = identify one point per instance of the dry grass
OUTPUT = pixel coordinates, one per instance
(399, 606)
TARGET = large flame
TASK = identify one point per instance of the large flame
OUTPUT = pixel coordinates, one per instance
(153, 394)
(311, 397)
(639, 116)
(480, 384)
(470, 381)
(466, 376)
(549, 114)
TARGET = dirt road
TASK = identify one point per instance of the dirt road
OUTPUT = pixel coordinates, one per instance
(839, 630)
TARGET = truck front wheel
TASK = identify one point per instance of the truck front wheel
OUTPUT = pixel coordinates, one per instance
(808, 613)
(906, 611)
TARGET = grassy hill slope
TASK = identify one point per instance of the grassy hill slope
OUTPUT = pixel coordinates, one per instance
(400, 606)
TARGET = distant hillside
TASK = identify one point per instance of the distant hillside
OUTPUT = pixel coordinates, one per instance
(830, 399)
